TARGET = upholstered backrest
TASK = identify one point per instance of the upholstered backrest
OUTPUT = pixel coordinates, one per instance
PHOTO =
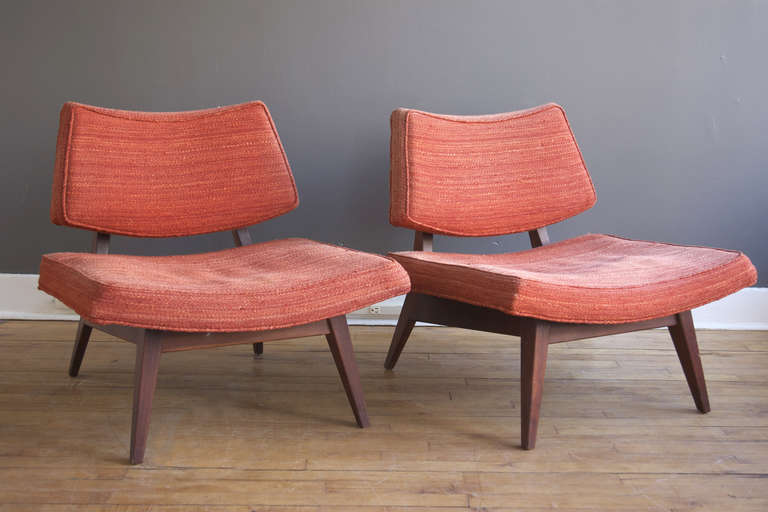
(158, 174)
(485, 175)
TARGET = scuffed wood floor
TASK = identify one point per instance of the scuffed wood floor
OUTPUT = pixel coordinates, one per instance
(231, 432)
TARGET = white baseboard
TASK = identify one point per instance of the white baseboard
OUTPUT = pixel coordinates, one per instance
(21, 300)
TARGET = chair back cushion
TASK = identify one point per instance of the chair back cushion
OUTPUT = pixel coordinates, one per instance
(154, 174)
(485, 175)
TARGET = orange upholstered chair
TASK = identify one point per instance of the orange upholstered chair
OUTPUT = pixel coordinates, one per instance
(177, 174)
(521, 171)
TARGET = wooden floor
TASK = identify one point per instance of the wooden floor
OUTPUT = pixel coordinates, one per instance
(231, 432)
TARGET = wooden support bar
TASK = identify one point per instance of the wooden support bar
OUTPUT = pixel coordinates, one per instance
(539, 237)
(560, 332)
(100, 243)
(436, 310)
(124, 332)
(175, 341)
(422, 241)
(242, 237)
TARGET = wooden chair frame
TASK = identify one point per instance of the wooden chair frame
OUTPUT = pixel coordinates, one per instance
(150, 343)
(535, 337)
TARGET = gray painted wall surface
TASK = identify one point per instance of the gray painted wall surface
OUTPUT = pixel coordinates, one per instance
(667, 100)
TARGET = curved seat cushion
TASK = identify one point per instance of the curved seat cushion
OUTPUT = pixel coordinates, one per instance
(589, 279)
(269, 285)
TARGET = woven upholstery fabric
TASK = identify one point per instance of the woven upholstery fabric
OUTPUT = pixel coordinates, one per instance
(589, 279)
(261, 286)
(485, 175)
(169, 174)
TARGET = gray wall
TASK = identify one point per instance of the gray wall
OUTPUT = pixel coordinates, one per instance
(667, 100)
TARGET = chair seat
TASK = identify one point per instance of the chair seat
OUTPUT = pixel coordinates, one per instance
(269, 285)
(589, 279)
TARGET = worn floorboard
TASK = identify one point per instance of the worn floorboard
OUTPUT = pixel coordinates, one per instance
(234, 433)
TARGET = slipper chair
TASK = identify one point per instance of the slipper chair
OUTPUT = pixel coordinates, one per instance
(492, 175)
(146, 174)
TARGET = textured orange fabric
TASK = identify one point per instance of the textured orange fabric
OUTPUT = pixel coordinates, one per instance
(589, 279)
(169, 174)
(261, 286)
(485, 175)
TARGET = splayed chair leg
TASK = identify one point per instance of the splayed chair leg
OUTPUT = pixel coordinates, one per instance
(78, 351)
(340, 343)
(684, 337)
(533, 361)
(402, 332)
(145, 380)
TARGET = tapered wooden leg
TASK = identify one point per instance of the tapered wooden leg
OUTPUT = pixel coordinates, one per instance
(258, 348)
(341, 347)
(78, 351)
(533, 363)
(402, 332)
(684, 336)
(147, 363)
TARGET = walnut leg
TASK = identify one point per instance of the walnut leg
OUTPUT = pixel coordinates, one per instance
(684, 337)
(402, 332)
(533, 362)
(341, 347)
(78, 351)
(147, 364)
